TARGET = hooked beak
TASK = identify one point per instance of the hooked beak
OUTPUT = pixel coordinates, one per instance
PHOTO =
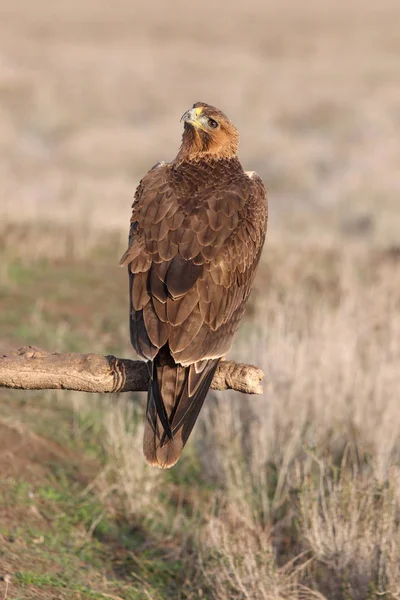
(192, 116)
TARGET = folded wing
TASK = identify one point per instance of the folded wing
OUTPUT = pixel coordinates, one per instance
(191, 264)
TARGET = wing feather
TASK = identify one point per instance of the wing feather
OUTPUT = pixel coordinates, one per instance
(157, 330)
(181, 337)
(178, 310)
(196, 237)
(140, 293)
(181, 276)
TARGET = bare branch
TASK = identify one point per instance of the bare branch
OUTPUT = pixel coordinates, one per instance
(31, 368)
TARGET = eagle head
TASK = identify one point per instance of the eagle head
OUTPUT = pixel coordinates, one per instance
(208, 134)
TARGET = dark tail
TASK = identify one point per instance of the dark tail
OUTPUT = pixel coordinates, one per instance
(175, 397)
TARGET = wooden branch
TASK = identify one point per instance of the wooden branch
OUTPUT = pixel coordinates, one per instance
(30, 368)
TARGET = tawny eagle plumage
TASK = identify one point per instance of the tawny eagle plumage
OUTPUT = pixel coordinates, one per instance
(197, 230)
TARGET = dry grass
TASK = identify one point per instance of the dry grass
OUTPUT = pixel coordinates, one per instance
(313, 465)
(91, 96)
(293, 495)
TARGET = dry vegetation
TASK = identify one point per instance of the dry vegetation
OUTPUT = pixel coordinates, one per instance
(91, 93)
(293, 495)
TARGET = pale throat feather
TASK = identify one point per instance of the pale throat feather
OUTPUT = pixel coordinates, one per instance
(197, 145)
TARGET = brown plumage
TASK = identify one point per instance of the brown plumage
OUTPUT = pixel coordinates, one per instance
(197, 231)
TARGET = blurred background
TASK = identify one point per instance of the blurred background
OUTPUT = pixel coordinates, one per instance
(291, 495)
(92, 92)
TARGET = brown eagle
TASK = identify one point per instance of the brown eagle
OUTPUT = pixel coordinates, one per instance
(196, 235)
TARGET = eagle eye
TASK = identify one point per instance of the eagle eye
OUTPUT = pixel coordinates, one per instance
(212, 123)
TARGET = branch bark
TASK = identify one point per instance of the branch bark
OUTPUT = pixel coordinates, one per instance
(31, 368)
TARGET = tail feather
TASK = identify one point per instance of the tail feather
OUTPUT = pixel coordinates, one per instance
(160, 407)
(175, 397)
